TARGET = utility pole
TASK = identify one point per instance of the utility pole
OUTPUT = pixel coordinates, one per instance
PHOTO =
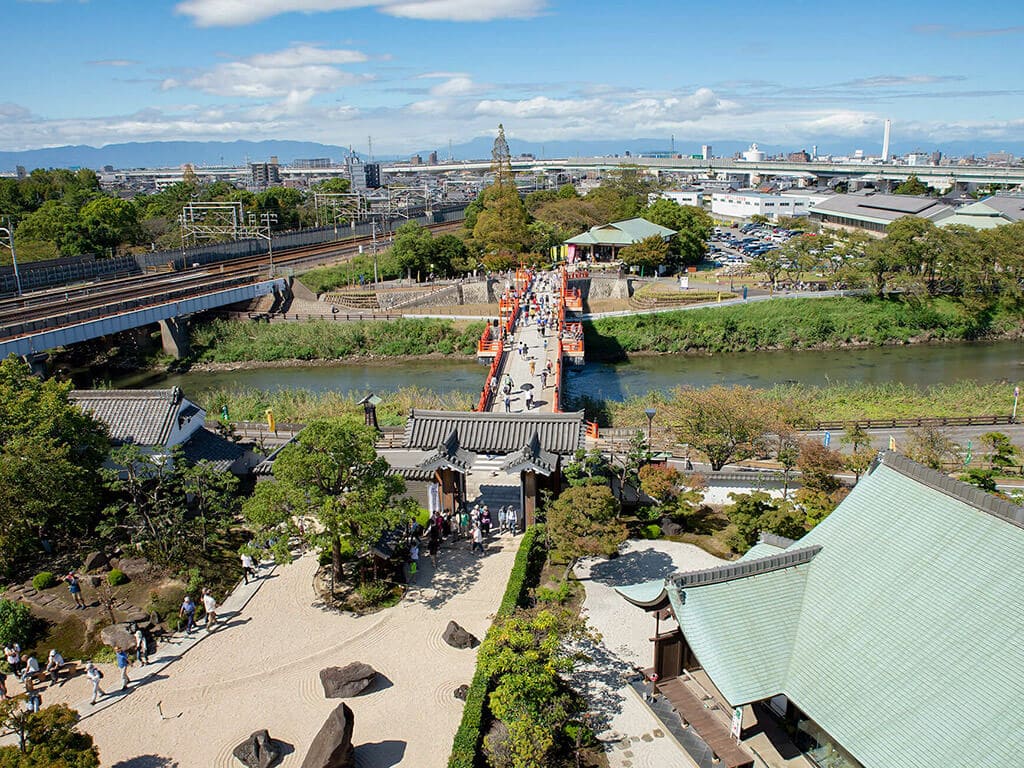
(8, 233)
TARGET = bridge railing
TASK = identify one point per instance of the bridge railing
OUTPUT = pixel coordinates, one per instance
(488, 392)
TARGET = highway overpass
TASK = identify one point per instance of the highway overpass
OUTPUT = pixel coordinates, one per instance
(938, 175)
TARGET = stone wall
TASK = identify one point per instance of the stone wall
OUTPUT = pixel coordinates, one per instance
(469, 292)
(607, 286)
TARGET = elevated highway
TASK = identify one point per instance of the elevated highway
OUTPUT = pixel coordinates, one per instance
(941, 175)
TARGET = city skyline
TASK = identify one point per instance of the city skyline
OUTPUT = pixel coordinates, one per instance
(416, 74)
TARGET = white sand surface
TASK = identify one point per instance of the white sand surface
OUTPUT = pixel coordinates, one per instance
(260, 670)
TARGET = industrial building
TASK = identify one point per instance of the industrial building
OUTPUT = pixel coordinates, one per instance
(744, 204)
(873, 211)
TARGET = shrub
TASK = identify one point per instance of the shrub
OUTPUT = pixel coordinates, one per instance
(652, 531)
(16, 623)
(166, 604)
(376, 592)
(525, 572)
(116, 577)
(44, 580)
(559, 595)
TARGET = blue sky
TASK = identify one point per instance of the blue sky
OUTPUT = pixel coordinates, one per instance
(416, 73)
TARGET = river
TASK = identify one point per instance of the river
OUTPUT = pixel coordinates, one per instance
(920, 365)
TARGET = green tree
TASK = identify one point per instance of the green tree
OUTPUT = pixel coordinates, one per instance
(820, 490)
(149, 507)
(981, 478)
(912, 186)
(724, 423)
(110, 222)
(647, 254)
(587, 468)
(57, 223)
(212, 500)
(1002, 452)
(584, 521)
(50, 456)
(48, 738)
(746, 512)
(413, 248)
(333, 186)
(931, 446)
(772, 264)
(332, 473)
(270, 514)
(450, 255)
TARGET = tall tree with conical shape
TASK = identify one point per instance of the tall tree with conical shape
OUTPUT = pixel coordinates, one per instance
(503, 224)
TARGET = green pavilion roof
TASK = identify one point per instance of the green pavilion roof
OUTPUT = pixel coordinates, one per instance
(621, 233)
(897, 624)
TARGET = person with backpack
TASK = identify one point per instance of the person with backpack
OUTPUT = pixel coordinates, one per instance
(121, 657)
(94, 675)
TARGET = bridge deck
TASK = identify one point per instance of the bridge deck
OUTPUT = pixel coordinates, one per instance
(540, 351)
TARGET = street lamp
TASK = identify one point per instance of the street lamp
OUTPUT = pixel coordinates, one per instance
(8, 233)
(268, 219)
(650, 419)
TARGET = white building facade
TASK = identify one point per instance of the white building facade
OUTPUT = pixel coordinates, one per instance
(743, 205)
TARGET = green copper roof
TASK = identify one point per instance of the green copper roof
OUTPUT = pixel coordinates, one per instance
(621, 233)
(902, 636)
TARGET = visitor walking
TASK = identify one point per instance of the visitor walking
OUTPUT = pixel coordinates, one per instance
(485, 521)
(248, 567)
(414, 559)
(508, 404)
(533, 367)
(433, 544)
(121, 657)
(75, 588)
(543, 379)
(94, 675)
(34, 702)
(529, 399)
(53, 664)
(188, 612)
(210, 606)
(478, 540)
(141, 647)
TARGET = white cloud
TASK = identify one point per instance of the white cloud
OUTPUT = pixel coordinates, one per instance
(456, 86)
(302, 55)
(113, 63)
(295, 74)
(234, 13)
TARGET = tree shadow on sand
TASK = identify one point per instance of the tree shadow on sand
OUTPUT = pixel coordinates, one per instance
(600, 681)
(633, 568)
(457, 571)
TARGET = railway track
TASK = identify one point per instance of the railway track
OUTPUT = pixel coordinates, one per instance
(55, 308)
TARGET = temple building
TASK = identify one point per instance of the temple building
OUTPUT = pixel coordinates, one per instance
(891, 635)
(605, 241)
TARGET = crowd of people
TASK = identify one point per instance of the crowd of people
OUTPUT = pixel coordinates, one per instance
(474, 524)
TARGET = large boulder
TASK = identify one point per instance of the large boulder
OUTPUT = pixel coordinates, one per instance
(95, 561)
(345, 682)
(118, 636)
(257, 751)
(461, 692)
(457, 637)
(332, 746)
(670, 527)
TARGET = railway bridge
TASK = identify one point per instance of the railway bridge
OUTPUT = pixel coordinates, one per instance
(34, 323)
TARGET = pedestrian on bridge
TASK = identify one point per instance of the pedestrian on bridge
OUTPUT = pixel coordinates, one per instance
(508, 403)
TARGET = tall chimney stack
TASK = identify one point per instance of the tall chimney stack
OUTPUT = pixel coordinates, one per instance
(885, 141)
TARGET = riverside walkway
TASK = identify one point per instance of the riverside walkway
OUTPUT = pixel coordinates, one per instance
(531, 344)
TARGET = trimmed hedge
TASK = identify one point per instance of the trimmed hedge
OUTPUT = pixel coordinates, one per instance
(525, 573)
(116, 577)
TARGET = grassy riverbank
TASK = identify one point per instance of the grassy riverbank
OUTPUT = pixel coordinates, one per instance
(836, 402)
(232, 341)
(302, 405)
(798, 323)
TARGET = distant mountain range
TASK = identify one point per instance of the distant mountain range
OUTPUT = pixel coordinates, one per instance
(164, 154)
